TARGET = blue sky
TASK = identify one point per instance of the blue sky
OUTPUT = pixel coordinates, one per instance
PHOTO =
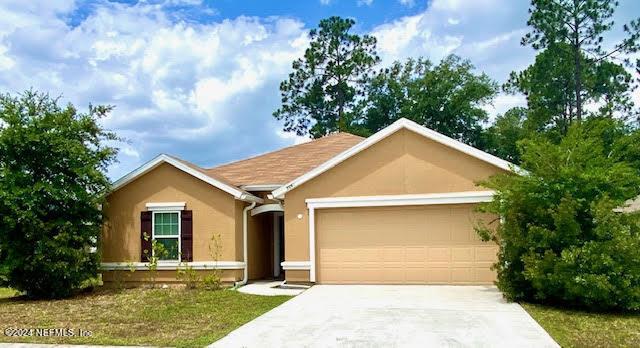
(199, 79)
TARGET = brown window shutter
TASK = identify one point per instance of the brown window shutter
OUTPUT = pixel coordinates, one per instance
(186, 236)
(145, 228)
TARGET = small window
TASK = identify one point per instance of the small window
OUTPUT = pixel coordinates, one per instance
(166, 232)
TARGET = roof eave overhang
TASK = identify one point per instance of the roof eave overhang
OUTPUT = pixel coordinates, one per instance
(260, 187)
(162, 158)
(391, 129)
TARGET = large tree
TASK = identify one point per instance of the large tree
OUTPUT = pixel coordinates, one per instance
(52, 185)
(503, 136)
(560, 237)
(447, 97)
(578, 26)
(549, 86)
(321, 94)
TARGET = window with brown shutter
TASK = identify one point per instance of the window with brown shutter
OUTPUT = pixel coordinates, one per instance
(146, 228)
(186, 237)
(170, 228)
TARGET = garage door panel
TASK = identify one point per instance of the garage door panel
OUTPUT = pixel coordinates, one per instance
(462, 275)
(442, 254)
(416, 276)
(484, 275)
(416, 254)
(402, 245)
(461, 254)
(487, 254)
(438, 275)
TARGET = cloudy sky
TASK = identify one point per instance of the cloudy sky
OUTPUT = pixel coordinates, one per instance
(199, 79)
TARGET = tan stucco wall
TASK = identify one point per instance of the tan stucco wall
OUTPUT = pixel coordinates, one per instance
(403, 163)
(214, 212)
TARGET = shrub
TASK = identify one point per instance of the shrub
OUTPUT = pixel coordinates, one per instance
(52, 185)
(560, 239)
(213, 280)
(188, 276)
(158, 252)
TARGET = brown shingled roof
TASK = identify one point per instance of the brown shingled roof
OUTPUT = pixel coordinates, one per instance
(284, 165)
(205, 172)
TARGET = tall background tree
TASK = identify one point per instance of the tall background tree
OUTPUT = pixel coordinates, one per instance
(503, 136)
(577, 73)
(334, 88)
(447, 97)
(579, 26)
(53, 161)
(321, 94)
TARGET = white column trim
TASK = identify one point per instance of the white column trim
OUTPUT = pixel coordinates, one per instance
(267, 208)
(312, 245)
(296, 265)
(397, 200)
(166, 206)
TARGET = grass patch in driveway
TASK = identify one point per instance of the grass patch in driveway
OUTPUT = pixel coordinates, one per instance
(574, 328)
(159, 317)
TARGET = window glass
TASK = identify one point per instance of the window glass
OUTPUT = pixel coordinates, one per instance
(166, 224)
(170, 248)
(166, 234)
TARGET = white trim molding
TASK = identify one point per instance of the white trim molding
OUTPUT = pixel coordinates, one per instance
(382, 201)
(296, 265)
(267, 208)
(162, 158)
(261, 187)
(166, 206)
(395, 200)
(164, 265)
(394, 127)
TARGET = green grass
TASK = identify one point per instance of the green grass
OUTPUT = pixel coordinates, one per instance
(574, 328)
(7, 292)
(159, 317)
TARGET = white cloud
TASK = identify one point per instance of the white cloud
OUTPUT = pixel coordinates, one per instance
(487, 32)
(365, 2)
(460, 5)
(292, 137)
(178, 86)
(203, 90)
(408, 3)
(503, 103)
(410, 37)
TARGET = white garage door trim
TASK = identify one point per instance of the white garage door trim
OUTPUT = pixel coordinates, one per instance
(383, 201)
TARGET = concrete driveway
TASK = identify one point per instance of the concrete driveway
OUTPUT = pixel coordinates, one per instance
(393, 316)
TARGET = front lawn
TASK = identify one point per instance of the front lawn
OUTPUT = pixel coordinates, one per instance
(572, 328)
(159, 317)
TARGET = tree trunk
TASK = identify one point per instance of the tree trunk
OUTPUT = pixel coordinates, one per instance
(341, 123)
(577, 62)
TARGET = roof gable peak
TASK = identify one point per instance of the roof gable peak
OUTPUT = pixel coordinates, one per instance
(402, 123)
(189, 169)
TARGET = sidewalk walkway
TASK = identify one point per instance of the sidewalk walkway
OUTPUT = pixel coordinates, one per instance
(270, 288)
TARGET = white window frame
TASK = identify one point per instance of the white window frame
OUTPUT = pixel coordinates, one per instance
(153, 232)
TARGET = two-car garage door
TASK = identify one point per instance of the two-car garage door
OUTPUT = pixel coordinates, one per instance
(431, 244)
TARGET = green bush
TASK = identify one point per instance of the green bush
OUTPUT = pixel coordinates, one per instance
(561, 242)
(52, 186)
